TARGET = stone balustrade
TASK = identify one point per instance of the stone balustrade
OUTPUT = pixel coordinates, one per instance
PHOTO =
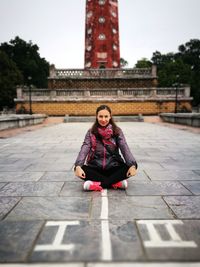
(114, 93)
(102, 73)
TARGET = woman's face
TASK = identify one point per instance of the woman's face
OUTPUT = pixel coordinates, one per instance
(103, 117)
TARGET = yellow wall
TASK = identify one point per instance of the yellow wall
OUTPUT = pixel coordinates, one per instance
(88, 108)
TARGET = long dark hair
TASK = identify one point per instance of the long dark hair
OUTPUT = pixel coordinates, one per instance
(95, 126)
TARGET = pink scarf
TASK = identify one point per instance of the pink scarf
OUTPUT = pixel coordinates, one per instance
(106, 134)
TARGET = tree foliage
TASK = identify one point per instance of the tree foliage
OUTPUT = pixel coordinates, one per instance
(182, 67)
(20, 61)
(10, 77)
(143, 63)
(28, 60)
(123, 62)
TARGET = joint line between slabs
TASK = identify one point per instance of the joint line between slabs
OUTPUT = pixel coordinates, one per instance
(105, 233)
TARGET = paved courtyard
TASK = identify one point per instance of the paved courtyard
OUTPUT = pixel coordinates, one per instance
(46, 217)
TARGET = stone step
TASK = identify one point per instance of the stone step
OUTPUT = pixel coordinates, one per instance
(138, 118)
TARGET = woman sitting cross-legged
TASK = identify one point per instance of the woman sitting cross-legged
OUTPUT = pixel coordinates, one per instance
(99, 162)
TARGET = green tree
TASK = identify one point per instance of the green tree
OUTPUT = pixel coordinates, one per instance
(28, 60)
(190, 54)
(10, 77)
(182, 67)
(175, 71)
(143, 63)
(123, 62)
(171, 69)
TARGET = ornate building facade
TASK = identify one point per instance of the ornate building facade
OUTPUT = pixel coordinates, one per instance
(102, 48)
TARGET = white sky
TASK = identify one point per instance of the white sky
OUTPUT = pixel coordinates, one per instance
(57, 27)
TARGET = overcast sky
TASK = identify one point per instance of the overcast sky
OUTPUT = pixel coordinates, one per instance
(57, 27)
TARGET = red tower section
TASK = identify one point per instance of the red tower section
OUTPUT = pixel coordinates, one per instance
(102, 34)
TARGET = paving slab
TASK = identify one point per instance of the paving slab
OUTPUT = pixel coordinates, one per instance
(20, 176)
(185, 207)
(75, 188)
(179, 239)
(7, 160)
(2, 185)
(174, 175)
(197, 171)
(157, 188)
(51, 208)
(65, 176)
(126, 244)
(48, 167)
(17, 239)
(141, 176)
(151, 166)
(27, 155)
(182, 165)
(137, 207)
(31, 189)
(7, 204)
(193, 186)
(80, 242)
(14, 167)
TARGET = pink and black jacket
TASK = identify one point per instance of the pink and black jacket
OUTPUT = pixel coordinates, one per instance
(96, 154)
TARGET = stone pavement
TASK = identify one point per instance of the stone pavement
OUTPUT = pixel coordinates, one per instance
(45, 217)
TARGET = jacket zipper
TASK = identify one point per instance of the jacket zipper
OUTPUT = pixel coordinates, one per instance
(104, 157)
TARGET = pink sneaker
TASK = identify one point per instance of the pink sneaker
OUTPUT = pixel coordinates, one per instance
(121, 185)
(92, 186)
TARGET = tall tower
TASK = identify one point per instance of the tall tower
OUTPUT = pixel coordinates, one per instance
(102, 34)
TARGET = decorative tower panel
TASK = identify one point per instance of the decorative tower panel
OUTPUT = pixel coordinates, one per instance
(102, 34)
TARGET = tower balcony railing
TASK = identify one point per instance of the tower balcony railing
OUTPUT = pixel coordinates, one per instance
(101, 73)
(114, 93)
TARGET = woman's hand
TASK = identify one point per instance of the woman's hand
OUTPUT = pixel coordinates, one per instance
(131, 171)
(79, 172)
